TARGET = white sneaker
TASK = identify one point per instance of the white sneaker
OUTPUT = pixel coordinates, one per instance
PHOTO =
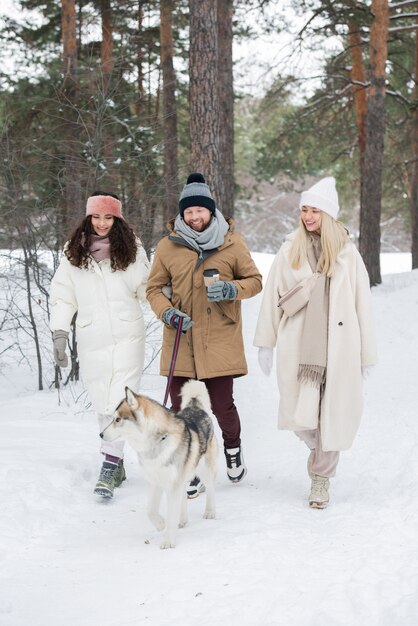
(235, 466)
(319, 496)
(195, 487)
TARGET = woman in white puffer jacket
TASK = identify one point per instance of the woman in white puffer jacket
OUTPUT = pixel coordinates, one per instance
(102, 277)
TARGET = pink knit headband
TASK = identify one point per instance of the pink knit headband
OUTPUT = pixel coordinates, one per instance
(104, 205)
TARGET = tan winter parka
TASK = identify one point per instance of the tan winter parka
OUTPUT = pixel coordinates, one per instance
(214, 345)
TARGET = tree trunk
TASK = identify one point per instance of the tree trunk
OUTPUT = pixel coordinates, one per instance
(371, 189)
(107, 66)
(414, 175)
(140, 183)
(139, 105)
(203, 90)
(69, 42)
(225, 191)
(69, 92)
(106, 48)
(169, 110)
(358, 76)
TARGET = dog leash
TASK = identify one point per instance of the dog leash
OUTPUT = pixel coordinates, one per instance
(173, 359)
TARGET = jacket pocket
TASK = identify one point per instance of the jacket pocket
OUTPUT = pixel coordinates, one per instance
(130, 316)
(230, 310)
(84, 320)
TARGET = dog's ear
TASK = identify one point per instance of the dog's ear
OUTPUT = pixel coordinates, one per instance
(131, 399)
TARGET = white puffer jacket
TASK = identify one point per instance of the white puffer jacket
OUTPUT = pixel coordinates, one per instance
(110, 325)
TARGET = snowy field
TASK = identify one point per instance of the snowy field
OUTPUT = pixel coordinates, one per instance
(68, 559)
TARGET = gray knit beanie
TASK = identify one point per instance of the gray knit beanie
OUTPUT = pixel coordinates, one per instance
(196, 193)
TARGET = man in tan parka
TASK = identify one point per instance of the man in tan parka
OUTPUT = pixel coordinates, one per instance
(212, 347)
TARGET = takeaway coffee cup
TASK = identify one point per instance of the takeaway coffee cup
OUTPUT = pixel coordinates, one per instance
(210, 276)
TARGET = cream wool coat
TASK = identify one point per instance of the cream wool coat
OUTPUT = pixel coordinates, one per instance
(214, 345)
(109, 325)
(351, 346)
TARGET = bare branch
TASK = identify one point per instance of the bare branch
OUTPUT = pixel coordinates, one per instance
(401, 29)
(400, 5)
(403, 16)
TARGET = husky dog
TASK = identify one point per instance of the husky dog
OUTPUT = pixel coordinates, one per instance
(171, 448)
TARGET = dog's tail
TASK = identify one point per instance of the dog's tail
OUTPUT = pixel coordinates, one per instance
(195, 390)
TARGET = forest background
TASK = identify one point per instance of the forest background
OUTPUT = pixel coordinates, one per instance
(131, 96)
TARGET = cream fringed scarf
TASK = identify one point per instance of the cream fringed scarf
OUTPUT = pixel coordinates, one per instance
(313, 354)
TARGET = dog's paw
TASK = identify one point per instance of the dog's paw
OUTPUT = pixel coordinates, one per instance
(209, 515)
(167, 544)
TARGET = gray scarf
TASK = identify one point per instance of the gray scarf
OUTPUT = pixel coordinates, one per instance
(314, 347)
(212, 237)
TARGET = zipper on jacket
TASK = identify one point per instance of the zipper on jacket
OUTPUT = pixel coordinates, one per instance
(209, 312)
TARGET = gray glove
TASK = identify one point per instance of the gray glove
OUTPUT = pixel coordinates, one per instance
(59, 337)
(171, 318)
(222, 290)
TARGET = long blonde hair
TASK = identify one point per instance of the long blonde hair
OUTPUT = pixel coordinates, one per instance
(333, 238)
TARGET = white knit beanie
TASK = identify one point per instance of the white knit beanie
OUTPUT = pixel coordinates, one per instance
(323, 195)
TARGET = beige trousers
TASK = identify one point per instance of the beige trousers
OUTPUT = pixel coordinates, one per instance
(324, 463)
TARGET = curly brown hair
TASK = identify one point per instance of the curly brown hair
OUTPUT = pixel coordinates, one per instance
(123, 244)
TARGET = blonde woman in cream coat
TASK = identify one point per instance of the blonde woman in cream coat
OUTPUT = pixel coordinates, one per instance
(322, 348)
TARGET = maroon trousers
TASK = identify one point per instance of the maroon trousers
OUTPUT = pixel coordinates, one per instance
(223, 407)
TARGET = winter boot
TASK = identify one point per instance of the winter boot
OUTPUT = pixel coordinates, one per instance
(319, 496)
(235, 466)
(111, 475)
(195, 487)
(120, 474)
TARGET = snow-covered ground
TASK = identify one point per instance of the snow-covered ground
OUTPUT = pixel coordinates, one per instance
(68, 559)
